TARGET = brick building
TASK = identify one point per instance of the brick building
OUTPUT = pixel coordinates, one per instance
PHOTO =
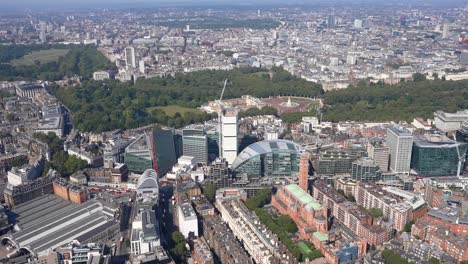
(15, 195)
(67, 191)
(446, 227)
(201, 252)
(303, 209)
(348, 214)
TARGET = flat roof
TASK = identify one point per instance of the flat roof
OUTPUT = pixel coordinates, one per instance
(187, 210)
(400, 131)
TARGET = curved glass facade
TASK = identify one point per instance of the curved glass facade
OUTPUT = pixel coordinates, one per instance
(276, 158)
(437, 159)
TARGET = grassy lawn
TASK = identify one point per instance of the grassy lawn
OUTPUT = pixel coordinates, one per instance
(43, 56)
(171, 110)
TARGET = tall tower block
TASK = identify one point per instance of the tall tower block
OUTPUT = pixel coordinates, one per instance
(304, 172)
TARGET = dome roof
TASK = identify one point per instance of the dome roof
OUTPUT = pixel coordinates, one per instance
(264, 147)
(149, 179)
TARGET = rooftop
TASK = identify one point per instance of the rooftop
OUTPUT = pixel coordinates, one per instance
(320, 236)
(305, 198)
(400, 131)
(266, 146)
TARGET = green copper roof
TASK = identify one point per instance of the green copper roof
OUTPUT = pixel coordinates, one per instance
(303, 197)
(320, 236)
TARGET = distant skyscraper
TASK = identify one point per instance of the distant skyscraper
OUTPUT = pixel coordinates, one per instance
(42, 36)
(351, 59)
(130, 59)
(358, 23)
(43, 30)
(229, 131)
(331, 21)
(445, 31)
(195, 143)
(400, 142)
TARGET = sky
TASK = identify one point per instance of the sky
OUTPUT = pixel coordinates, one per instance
(59, 4)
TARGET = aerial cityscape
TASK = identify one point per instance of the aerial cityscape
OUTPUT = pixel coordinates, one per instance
(203, 132)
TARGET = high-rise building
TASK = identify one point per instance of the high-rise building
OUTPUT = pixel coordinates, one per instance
(380, 153)
(42, 32)
(304, 172)
(400, 142)
(445, 31)
(436, 155)
(351, 59)
(42, 36)
(195, 143)
(130, 59)
(213, 144)
(163, 150)
(229, 131)
(358, 23)
(331, 21)
(138, 155)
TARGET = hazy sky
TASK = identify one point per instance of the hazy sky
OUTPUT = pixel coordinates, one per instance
(47, 4)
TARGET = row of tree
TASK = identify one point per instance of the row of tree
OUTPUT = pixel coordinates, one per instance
(400, 102)
(80, 60)
(63, 163)
(103, 106)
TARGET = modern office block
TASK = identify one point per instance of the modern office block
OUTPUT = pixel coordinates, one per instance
(437, 155)
(138, 156)
(276, 158)
(195, 143)
(400, 142)
(229, 132)
(380, 153)
(163, 150)
(364, 169)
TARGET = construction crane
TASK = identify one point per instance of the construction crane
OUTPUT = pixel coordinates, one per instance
(220, 114)
(461, 158)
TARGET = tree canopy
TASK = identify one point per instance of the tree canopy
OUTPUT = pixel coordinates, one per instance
(400, 102)
(103, 106)
(81, 60)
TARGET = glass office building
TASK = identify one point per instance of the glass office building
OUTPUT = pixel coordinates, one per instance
(437, 156)
(276, 158)
(138, 155)
(155, 149)
(164, 150)
(195, 143)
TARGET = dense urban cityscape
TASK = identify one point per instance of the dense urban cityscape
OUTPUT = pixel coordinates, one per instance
(156, 132)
